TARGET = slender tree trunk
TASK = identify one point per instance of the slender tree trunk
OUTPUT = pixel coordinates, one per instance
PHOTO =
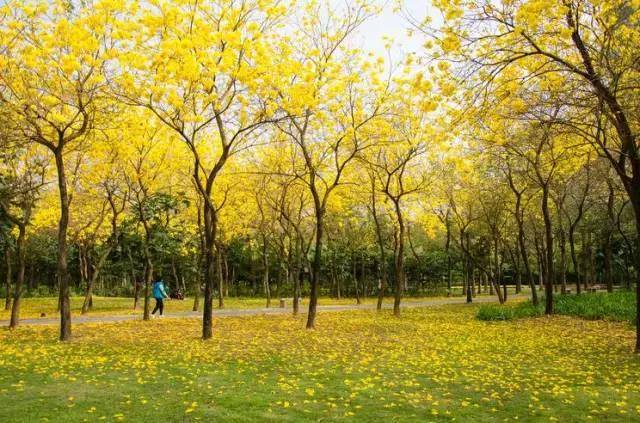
(315, 273)
(220, 278)
(382, 269)
(88, 299)
(17, 293)
(63, 274)
(8, 277)
(265, 271)
(355, 279)
(447, 249)
(363, 278)
(148, 276)
(562, 243)
(574, 258)
(210, 219)
(297, 274)
(608, 233)
(136, 292)
(549, 251)
(174, 272)
(399, 260)
(515, 259)
(467, 270)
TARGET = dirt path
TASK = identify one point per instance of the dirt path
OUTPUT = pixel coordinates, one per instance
(254, 311)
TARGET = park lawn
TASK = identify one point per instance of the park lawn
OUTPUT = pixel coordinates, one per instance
(432, 364)
(33, 307)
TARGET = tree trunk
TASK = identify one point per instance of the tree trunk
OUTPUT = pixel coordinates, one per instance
(174, 272)
(63, 276)
(563, 261)
(88, 299)
(315, 272)
(210, 227)
(467, 270)
(220, 278)
(355, 279)
(196, 293)
(17, 293)
(607, 242)
(265, 271)
(297, 275)
(382, 266)
(148, 276)
(8, 277)
(574, 258)
(635, 201)
(549, 251)
(399, 260)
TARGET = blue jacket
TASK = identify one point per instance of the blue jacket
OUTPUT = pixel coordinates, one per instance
(158, 290)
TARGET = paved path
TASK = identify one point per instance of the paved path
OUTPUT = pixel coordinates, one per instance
(256, 311)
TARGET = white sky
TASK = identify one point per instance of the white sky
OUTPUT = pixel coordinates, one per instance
(395, 25)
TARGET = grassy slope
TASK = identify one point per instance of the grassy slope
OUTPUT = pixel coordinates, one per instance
(435, 364)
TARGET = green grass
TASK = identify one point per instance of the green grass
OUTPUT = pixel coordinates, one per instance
(617, 306)
(432, 364)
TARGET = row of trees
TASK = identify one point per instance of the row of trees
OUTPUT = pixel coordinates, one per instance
(233, 143)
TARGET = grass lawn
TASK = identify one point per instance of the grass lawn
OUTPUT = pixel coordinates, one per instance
(432, 364)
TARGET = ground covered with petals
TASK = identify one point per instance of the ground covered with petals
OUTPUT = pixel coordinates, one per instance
(432, 364)
(34, 307)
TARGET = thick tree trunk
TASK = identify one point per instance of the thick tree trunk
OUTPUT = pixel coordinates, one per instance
(635, 201)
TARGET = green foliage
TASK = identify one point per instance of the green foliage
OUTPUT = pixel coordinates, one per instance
(617, 306)
(499, 312)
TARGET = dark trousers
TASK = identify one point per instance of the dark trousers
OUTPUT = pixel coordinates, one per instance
(159, 306)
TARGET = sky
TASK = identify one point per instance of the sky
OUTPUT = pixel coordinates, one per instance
(393, 24)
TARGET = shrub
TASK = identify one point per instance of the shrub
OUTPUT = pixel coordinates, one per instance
(498, 312)
(616, 306)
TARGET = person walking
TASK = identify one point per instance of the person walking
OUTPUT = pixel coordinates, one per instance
(159, 294)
